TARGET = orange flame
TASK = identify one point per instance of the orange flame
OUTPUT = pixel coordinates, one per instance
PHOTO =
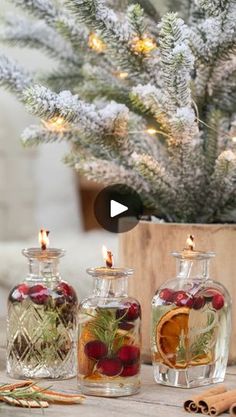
(43, 238)
(190, 244)
(107, 256)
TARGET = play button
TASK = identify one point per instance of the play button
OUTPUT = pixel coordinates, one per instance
(117, 208)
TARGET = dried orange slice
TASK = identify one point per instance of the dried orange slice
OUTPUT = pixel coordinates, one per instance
(170, 329)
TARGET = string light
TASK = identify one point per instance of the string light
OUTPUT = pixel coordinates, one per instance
(143, 46)
(151, 131)
(56, 124)
(234, 139)
(122, 75)
(95, 43)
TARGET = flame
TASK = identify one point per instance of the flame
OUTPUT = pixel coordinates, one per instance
(143, 46)
(107, 256)
(43, 238)
(190, 244)
(95, 43)
(56, 124)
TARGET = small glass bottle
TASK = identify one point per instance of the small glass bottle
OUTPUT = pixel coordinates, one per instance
(191, 321)
(42, 321)
(109, 336)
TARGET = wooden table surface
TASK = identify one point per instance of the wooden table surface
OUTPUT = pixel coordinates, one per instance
(153, 400)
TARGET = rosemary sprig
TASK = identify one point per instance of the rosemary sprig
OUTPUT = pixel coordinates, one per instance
(200, 346)
(26, 393)
(105, 326)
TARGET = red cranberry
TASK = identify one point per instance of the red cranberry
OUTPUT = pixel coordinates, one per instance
(218, 301)
(131, 370)
(182, 299)
(129, 354)
(110, 366)
(95, 349)
(130, 311)
(39, 294)
(124, 325)
(209, 294)
(19, 293)
(167, 295)
(68, 291)
(198, 302)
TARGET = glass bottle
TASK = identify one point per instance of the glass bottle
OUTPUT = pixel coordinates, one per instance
(42, 321)
(109, 336)
(191, 320)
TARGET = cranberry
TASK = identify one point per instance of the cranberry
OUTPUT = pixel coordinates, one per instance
(124, 325)
(131, 370)
(110, 366)
(182, 299)
(198, 302)
(167, 295)
(19, 293)
(39, 294)
(68, 291)
(218, 301)
(130, 311)
(129, 354)
(209, 294)
(95, 349)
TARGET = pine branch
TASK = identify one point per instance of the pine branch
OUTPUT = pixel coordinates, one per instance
(36, 135)
(13, 76)
(64, 78)
(222, 186)
(110, 173)
(57, 17)
(160, 183)
(19, 31)
(176, 61)
(117, 36)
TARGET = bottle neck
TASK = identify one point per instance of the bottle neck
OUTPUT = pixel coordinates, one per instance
(110, 288)
(43, 269)
(193, 268)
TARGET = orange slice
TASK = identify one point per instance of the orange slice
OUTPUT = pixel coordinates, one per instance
(170, 329)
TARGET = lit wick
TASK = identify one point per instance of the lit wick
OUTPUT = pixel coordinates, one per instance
(43, 239)
(190, 244)
(107, 256)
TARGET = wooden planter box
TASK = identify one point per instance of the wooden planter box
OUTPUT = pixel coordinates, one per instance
(147, 248)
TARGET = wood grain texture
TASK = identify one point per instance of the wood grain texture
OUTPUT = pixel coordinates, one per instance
(152, 401)
(147, 248)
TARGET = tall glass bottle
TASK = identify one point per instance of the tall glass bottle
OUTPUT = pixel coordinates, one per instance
(42, 321)
(191, 319)
(109, 336)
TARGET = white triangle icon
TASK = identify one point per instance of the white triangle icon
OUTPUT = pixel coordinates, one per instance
(117, 208)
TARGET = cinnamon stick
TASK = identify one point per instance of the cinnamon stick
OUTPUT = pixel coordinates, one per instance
(233, 410)
(192, 405)
(217, 404)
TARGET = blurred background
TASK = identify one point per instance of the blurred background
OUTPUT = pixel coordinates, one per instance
(37, 190)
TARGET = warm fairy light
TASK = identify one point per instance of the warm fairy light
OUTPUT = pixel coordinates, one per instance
(122, 75)
(234, 139)
(56, 124)
(151, 131)
(95, 43)
(43, 238)
(143, 46)
(190, 244)
(107, 256)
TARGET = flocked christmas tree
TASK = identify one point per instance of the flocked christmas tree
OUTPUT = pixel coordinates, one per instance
(143, 101)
